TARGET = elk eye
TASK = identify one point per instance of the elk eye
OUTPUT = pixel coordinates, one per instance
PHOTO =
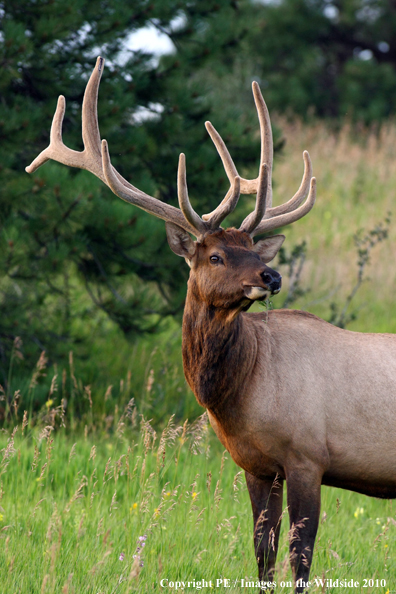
(215, 259)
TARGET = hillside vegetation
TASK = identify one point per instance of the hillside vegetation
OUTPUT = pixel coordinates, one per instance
(356, 189)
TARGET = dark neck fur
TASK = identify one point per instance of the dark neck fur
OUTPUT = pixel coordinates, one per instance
(218, 352)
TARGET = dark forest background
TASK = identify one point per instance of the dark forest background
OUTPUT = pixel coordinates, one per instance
(75, 262)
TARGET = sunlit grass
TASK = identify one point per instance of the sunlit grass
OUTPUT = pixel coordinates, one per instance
(356, 188)
(118, 506)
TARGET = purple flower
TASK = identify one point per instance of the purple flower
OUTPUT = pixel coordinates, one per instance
(121, 557)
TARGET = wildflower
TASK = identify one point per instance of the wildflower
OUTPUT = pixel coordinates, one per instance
(377, 521)
(1, 517)
(156, 514)
(121, 557)
(141, 544)
(167, 494)
(49, 403)
(359, 511)
(194, 495)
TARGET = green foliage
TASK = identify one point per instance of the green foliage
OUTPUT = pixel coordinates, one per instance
(340, 314)
(73, 256)
(330, 58)
(364, 243)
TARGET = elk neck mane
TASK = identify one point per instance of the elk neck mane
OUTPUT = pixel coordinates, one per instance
(219, 352)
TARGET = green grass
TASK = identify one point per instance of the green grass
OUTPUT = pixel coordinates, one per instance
(73, 503)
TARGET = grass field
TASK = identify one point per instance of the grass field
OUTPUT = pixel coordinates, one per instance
(94, 499)
(119, 507)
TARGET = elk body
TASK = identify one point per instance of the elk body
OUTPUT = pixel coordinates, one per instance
(291, 397)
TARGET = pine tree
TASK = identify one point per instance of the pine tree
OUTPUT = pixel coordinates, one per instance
(333, 59)
(72, 255)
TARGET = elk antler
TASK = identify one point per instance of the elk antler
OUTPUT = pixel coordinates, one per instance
(96, 159)
(272, 217)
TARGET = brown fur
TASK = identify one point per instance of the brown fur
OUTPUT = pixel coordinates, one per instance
(290, 396)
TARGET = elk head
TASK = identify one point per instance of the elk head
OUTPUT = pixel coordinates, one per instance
(227, 267)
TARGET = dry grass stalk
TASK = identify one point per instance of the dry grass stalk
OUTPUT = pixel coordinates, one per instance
(39, 371)
(92, 454)
(36, 457)
(72, 451)
(217, 495)
(197, 431)
(45, 433)
(71, 365)
(54, 524)
(88, 394)
(208, 481)
(54, 385)
(24, 421)
(107, 395)
(97, 565)
(66, 587)
(78, 493)
(113, 502)
(237, 484)
(44, 583)
(8, 452)
(15, 401)
(37, 506)
(106, 471)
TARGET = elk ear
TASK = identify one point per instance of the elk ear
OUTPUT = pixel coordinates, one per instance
(179, 241)
(268, 248)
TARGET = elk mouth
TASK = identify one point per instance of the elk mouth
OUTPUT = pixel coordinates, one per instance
(254, 292)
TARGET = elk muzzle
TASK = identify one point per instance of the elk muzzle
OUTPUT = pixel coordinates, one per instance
(272, 282)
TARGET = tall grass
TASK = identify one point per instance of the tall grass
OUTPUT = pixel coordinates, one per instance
(107, 503)
(356, 188)
(119, 514)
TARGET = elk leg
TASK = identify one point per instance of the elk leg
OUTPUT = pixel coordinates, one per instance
(266, 496)
(303, 500)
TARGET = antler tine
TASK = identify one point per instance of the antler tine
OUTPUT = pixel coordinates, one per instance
(184, 201)
(267, 144)
(227, 205)
(96, 159)
(254, 218)
(281, 220)
(90, 124)
(299, 196)
(247, 186)
(89, 158)
(278, 213)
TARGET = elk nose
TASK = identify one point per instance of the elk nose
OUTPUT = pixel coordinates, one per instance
(273, 280)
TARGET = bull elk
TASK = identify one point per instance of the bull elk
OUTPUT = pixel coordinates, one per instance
(291, 397)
